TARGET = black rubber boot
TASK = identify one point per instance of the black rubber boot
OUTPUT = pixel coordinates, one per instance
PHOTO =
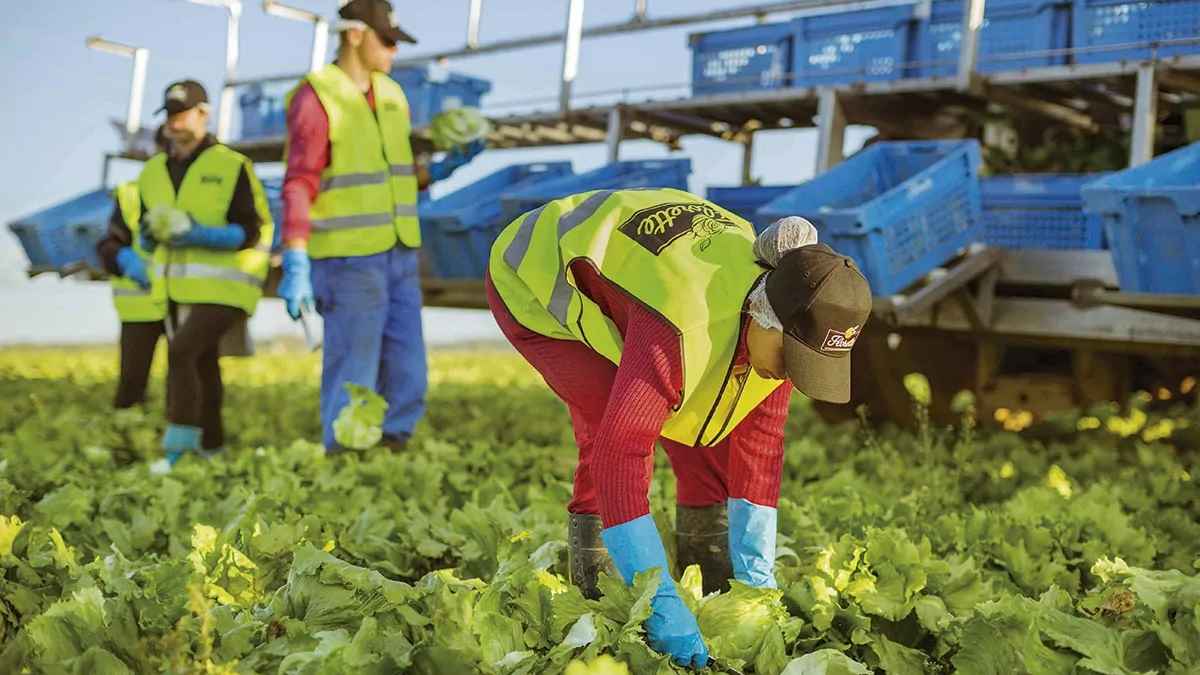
(702, 538)
(586, 555)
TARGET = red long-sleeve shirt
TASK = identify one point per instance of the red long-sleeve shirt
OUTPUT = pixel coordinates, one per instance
(308, 152)
(646, 387)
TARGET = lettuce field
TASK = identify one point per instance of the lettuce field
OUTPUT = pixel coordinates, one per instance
(1071, 546)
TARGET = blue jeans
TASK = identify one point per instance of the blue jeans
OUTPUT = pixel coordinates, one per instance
(372, 311)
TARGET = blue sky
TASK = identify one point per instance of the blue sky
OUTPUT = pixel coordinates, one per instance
(55, 124)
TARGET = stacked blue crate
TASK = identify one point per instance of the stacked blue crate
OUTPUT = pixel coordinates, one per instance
(65, 235)
(742, 59)
(1039, 211)
(746, 201)
(866, 45)
(1151, 217)
(646, 173)
(459, 228)
(1132, 30)
(1013, 34)
(899, 209)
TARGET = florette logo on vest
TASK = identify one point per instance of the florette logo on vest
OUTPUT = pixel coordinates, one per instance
(210, 179)
(840, 341)
(659, 226)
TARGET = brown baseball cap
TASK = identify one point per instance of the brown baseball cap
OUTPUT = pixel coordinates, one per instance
(822, 300)
(183, 95)
(379, 17)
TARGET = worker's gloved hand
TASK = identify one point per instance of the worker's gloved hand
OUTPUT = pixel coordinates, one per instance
(635, 547)
(454, 159)
(221, 237)
(752, 531)
(132, 267)
(296, 286)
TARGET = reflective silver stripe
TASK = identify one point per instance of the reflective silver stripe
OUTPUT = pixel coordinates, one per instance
(200, 271)
(403, 170)
(131, 292)
(560, 297)
(406, 211)
(519, 246)
(351, 222)
(348, 180)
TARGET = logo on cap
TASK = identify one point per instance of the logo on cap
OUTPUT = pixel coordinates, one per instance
(659, 226)
(177, 93)
(841, 341)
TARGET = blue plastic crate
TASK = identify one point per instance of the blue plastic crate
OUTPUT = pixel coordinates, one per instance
(854, 46)
(746, 201)
(646, 173)
(263, 114)
(1151, 217)
(1039, 211)
(1118, 30)
(459, 228)
(899, 209)
(742, 59)
(430, 91)
(1013, 33)
(65, 234)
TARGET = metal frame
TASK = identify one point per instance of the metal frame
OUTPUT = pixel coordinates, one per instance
(320, 39)
(233, 11)
(137, 83)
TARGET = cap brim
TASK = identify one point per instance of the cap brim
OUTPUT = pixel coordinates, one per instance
(174, 107)
(398, 34)
(821, 377)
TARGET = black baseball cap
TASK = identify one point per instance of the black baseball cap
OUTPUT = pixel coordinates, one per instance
(822, 300)
(379, 17)
(183, 95)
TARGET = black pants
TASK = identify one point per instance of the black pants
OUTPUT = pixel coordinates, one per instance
(194, 388)
(138, 341)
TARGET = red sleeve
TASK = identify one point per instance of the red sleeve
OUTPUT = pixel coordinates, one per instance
(307, 157)
(647, 385)
(756, 450)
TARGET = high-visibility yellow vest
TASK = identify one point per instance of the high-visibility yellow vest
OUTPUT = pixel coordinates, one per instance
(192, 275)
(368, 196)
(135, 304)
(687, 259)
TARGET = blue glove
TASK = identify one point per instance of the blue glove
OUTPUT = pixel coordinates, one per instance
(296, 286)
(132, 267)
(752, 542)
(221, 238)
(180, 439)
(672, 629)
(454, 159)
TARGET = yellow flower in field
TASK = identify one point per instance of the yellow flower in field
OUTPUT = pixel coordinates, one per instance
(1057, 480)
(551, 581)
(10, 527)
(1008, 470)
(601, 665)
(1088, 423)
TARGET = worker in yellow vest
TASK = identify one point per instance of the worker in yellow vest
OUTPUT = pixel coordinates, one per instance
(350, 229)
(658, 316)
(209, 228)
(141, 315)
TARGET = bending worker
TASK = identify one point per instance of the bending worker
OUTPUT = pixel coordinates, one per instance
(656, 315)
(141, 313)
(211, 275)
(350, 205)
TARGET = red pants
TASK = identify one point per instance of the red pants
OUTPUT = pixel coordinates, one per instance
(583, 379)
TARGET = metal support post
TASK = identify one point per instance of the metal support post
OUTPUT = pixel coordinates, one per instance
(474, 13)
(639, 10)
(831, 130)
(572, 40)
(232, 40)
(968, 56)
(616, 131)
(320, 44)
(748, 159)
(137, 83)
(1145, 116)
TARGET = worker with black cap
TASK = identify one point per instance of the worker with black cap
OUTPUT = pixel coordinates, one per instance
(658, 316)
(208, 226)
(350, 230)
